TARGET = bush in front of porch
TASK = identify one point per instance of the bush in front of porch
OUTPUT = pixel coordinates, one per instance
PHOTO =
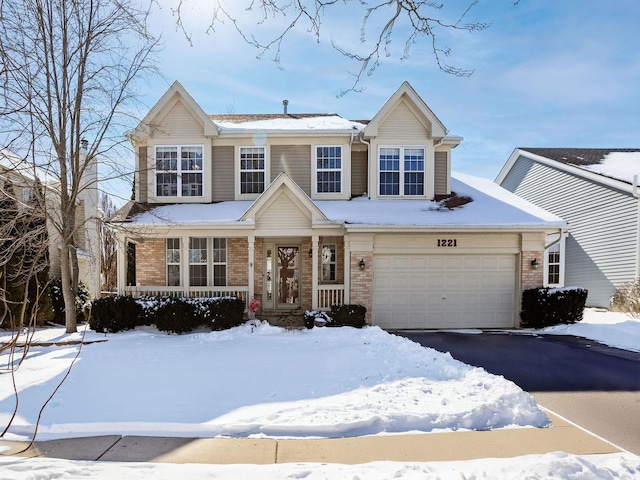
(168, 314)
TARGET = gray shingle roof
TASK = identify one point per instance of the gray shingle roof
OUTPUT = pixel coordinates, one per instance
(577, 156)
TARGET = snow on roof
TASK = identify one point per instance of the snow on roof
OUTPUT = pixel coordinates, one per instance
(26, 169)
(619, 165)
(285, 122)
(492, 207)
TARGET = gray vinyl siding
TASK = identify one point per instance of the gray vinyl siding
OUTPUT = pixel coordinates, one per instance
(601, 251)
(143, 174)
(440, 173)
(295, 161)
(359, 173)
(222, 173)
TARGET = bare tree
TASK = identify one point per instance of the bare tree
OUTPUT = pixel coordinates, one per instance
(67, 72)
(109, 246)
(381, 21)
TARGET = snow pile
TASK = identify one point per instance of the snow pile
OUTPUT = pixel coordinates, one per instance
(619, 165)
(257, 381)
(622, 466)
(611, 328)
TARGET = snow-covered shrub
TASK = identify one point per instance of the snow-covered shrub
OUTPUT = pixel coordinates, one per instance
(177, 315)
(545, 307)
(225, 313)
(313, 316)
(351, 315)
(114, 314)
(627, 298)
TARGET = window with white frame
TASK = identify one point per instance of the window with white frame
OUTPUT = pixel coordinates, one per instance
(553, 264)
(252, 169)
(401, 171)
(220, 261)
(179, 171)
(173, 261)
(329, 263)
(198, 262)
(328, 169)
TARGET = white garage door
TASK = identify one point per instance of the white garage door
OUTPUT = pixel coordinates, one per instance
(444, 291)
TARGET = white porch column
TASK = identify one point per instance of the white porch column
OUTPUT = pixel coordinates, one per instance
(347, 271)
(122, 263)
(251, 241)
(314, 272)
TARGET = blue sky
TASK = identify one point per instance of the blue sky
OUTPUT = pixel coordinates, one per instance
(548, 73)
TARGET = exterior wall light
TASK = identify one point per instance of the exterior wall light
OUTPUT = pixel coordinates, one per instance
(534, 263)
(361, 264)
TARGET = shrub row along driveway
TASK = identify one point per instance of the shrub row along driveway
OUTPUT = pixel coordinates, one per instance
(591, 384)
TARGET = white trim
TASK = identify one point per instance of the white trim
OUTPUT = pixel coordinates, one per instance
(580, 172)
(238, 171)
(179, 172)
(402, 171)
(553, 241)
(316, 170)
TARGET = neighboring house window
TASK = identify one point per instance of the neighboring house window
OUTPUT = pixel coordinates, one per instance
(179, 178)
(220, 261)
(26, 194)
(401, 171)
(329, 169)
(198, 262)
(252, 169)
(553, 264)
(329, 262)
(173, 262)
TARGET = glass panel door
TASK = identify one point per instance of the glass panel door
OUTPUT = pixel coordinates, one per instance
(288, 285)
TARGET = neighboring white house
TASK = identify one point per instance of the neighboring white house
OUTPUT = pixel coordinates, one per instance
(22, 175)
(302, 211)
(596, 192)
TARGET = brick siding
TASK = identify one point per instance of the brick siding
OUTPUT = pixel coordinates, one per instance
(362, 281)
(150, 262)
(237, 262)
(532, 277)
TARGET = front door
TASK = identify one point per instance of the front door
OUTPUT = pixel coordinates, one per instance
(287, 278)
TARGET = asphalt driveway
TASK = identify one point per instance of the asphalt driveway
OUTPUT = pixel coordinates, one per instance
(593, 385)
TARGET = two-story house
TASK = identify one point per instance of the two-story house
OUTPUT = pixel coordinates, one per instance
(302, 211)
(596, 191)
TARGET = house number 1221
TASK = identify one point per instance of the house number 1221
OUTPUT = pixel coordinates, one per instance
(447, 242)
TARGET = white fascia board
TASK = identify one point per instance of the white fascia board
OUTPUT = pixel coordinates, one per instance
(580, 172)
(551, 227)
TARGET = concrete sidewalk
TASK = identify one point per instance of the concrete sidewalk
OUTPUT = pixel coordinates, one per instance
(561, 436)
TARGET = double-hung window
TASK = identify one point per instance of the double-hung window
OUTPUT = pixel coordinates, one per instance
(178, 171)
(252, 170)
(329, 169)
(198, 262)
(329, 262)
(553, 264)
(219, 262)
(173, 261)
(401, 171)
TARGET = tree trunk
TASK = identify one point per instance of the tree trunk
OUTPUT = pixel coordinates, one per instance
(68, 294)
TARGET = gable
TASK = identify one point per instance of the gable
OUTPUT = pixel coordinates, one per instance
(178, 121)
(410, 104)
(283, 212)
(402, 122)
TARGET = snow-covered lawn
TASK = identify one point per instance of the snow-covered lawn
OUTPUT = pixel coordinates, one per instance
(268, 381)
(610, 328)
(256, 381)
(556, 465)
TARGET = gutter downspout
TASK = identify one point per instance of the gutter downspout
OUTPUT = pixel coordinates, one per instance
(368, 144)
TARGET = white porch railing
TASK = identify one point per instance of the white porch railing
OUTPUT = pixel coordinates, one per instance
(330, 295)
(191, 292)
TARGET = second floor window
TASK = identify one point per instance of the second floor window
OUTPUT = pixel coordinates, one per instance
(252, 170)
(178, 171)
(329, 169)
(401, 171)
